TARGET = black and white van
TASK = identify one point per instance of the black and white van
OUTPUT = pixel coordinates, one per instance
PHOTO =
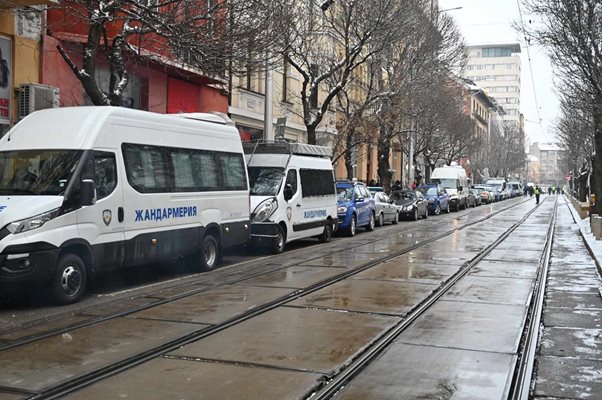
(85, 190)
(292, 189)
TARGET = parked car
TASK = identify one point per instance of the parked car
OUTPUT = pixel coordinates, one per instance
(516, 188)
(487, 196)
(410, 203)
(474, 197)
(384, 208)
(355, 207)
(437, 198)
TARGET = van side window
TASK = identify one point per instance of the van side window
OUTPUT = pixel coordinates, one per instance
(155, 169)
(205, 171)
(105, 173)
(146, 168)
(232, 171)
(291, 179)
(317, 182)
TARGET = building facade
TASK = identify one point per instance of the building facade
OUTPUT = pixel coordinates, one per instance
(20, 54)
(497, 69)
(549, 156)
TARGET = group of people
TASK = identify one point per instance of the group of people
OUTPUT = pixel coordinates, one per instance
(537, 191)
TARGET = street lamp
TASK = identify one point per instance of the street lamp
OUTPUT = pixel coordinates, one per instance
(449, 9)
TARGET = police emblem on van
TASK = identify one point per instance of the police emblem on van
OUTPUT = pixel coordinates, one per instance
(289, 213)
(106, 217)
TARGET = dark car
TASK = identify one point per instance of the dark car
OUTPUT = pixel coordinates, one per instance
(355, 207)
(437, 198)
(410, 203)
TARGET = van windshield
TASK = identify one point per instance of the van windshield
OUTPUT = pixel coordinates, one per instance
(37, 172)
(448, 183)
(265, 181)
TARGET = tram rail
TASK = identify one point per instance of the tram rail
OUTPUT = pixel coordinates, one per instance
(72, 385)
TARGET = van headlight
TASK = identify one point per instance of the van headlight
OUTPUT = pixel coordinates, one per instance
(264, 210)
(28, 224)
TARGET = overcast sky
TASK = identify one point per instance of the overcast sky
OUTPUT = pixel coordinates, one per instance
(490, 21)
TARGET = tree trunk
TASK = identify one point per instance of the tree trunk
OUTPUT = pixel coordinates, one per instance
(596, 179)
(384, 151)
(349, 154)
(311, 134)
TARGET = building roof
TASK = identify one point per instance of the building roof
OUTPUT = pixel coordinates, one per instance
(514, 46)
(547, 146)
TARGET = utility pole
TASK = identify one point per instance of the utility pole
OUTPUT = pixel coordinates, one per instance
(268, 120)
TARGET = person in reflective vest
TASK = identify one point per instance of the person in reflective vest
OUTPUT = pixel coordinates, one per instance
(537, 194)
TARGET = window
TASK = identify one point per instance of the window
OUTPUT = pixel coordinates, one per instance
(291, 179)
(317, 182)
(232, 171)
(105, 173)
(146, 168)
(154, 169)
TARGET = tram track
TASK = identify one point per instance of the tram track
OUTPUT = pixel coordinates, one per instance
(216, 281)
(523, 371)
(63, 388)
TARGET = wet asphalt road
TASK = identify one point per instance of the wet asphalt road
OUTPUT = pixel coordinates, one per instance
(464, 347)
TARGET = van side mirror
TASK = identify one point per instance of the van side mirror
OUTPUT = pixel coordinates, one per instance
(88, 192)
(288, 192)
(460, 188)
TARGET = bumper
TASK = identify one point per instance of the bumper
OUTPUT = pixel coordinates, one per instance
(28, 265)
(265, 230)
(343, 221)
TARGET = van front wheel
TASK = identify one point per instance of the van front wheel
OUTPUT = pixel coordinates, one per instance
(209, 253)
(69, 282)
(279, 241)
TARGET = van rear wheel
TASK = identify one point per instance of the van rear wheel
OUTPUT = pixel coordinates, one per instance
(69, 282)
(209, 257)
(326, 236)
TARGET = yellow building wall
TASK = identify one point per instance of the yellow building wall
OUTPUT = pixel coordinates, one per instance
(26, 60)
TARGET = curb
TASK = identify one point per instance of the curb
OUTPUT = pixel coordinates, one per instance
(586, 239)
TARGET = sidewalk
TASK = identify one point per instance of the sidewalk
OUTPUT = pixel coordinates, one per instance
(569, 364)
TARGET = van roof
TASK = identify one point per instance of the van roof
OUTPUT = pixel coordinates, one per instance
(78, 127)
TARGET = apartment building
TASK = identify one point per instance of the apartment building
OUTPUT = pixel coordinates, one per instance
(497, 69)
(549, 155)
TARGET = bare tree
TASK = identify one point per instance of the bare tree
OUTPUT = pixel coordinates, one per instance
(211, 36)
(505, 151)
(575, 133)
(416, 69)
(328, 40)
(572, 32)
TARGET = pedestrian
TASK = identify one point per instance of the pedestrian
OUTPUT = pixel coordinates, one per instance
(530, 191)
(413, 185)
(525, 190)
(549, 190)
(397, 185)
(537, 194)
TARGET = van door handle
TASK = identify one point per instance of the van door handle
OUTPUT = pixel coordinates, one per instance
(120, 214)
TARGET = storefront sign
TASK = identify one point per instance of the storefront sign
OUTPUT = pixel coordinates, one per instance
(6, 64)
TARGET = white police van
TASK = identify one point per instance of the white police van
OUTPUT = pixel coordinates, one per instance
(453, 178)
(86, 190)
(293, 194)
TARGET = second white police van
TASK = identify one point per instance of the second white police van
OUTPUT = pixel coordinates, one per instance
(85, 190)
(293, 194)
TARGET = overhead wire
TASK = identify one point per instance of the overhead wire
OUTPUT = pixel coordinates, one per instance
(527, 45)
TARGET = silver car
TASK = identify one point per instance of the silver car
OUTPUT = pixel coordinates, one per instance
(384, 209)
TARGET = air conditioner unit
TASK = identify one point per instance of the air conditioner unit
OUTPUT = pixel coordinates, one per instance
(33, 97)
